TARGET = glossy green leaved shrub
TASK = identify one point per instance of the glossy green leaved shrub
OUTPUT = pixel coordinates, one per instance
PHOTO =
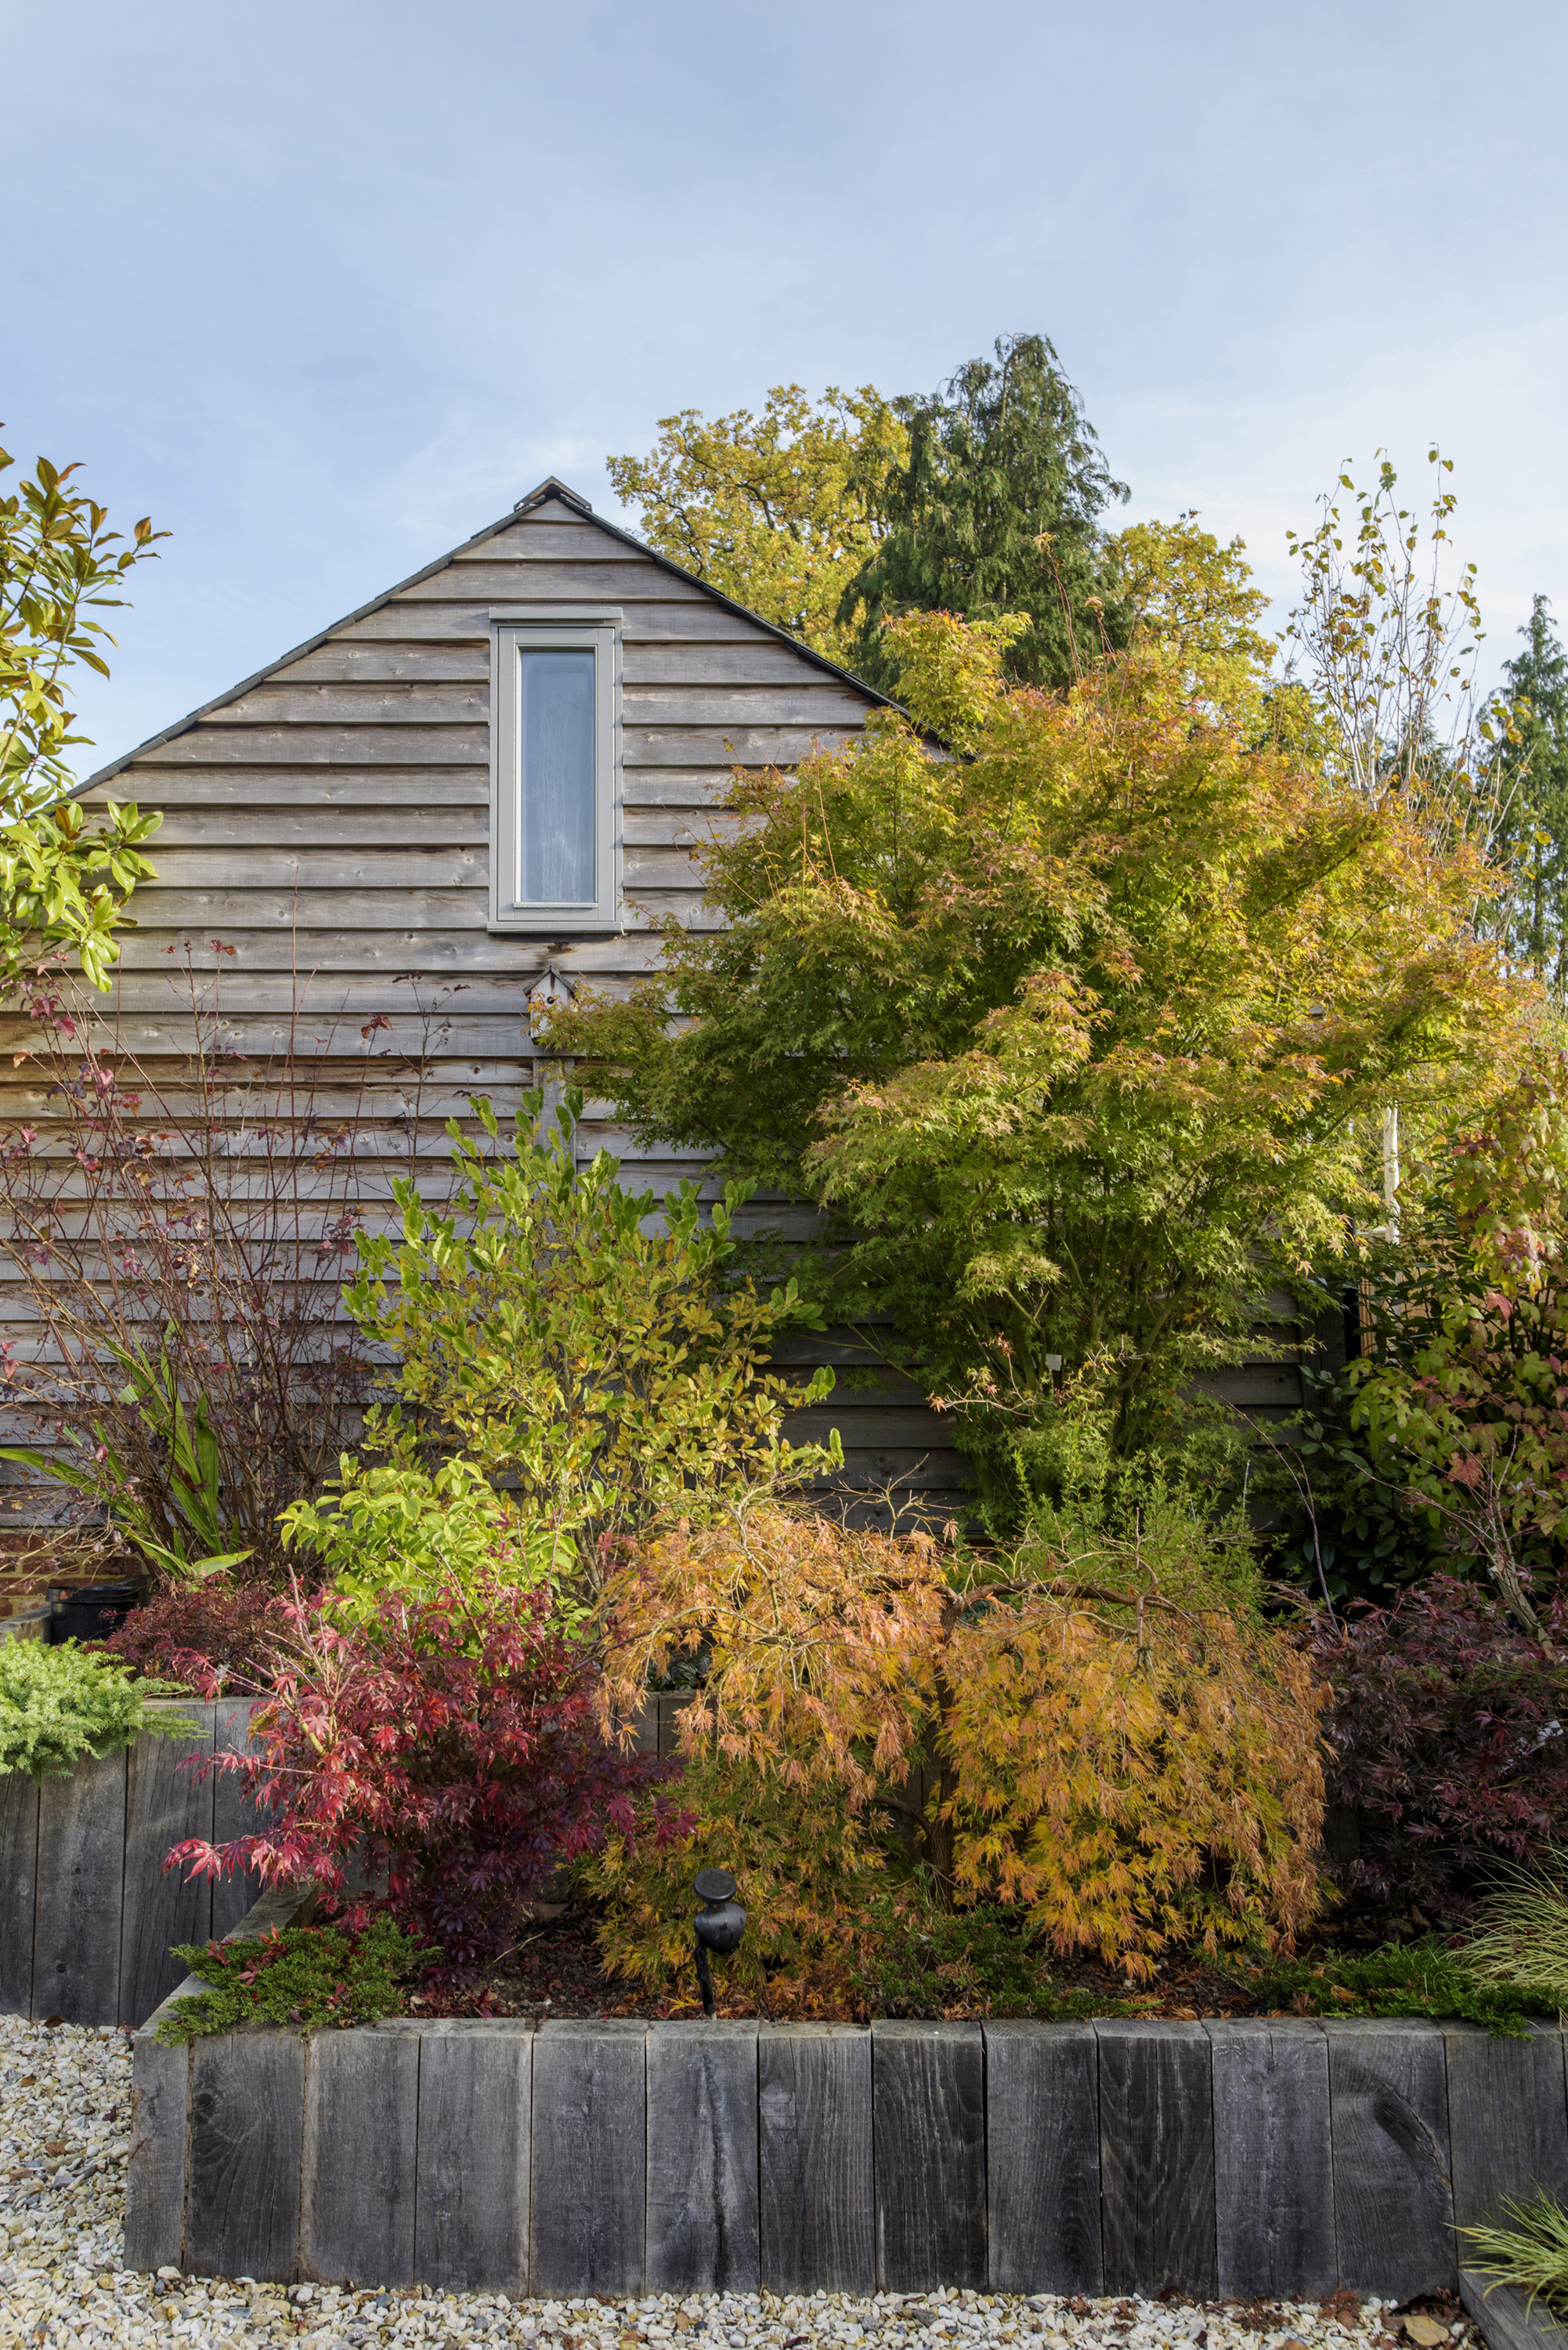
(313, 1977)
(57, 1705)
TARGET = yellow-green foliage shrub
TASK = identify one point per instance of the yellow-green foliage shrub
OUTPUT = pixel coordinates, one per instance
(1124, 1768)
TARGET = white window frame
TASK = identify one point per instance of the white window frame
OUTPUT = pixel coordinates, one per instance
(533, 627)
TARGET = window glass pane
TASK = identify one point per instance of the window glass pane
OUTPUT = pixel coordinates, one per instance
(555, 741)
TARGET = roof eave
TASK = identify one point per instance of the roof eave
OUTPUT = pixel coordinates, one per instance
(541, 496)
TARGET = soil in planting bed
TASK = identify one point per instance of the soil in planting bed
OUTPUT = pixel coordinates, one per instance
(553, 1972)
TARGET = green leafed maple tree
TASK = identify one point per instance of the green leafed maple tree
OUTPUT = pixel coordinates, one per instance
(63, 883)
(1082, 1037)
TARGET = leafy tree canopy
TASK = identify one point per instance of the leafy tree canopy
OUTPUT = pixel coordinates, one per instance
(1062, 1028)
(63, 886)
(778, 511)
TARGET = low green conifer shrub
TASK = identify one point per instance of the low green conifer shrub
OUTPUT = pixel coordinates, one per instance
(309, 1975)
(58, 1704)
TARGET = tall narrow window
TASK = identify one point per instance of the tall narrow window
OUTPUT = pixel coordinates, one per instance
(555, 805)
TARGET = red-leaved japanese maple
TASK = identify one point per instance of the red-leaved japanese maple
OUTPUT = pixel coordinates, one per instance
(452, 1750)
(1448, 1736)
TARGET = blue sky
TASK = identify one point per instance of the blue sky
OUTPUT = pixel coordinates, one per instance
(327, 287)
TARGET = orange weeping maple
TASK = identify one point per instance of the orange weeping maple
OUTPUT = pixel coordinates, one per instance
(1126, 1769)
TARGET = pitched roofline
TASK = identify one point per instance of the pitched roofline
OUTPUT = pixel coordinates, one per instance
(547, 489)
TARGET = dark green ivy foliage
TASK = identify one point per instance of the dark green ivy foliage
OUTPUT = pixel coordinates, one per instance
(998, 512)
(1535, 771)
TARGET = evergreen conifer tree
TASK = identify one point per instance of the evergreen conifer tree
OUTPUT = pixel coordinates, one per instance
(997, 512)
(1535, 769)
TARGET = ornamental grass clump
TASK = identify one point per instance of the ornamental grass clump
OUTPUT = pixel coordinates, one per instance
(1124, 1768)
(1532, 2254)
(1521, 1936)
(57, 1705)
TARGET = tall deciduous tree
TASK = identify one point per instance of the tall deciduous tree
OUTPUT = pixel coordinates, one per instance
(778, 511)
(998, 510)
(63, 885)
(1065, 1028)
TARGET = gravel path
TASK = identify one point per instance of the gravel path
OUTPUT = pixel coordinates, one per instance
(65, 2116)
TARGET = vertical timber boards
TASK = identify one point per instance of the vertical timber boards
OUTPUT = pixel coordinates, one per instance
(81, 1893)
(587, 2203)
(357, 2191)
(814, 2158)
(234, 1813)
(1157, 2158)
(18, 1889)
(248, 2121)
(331, 818)
(156, 2177)
(1273, 2170)
(1393, 2200)
(470, 2221)
(928, 2132)
(1507, 2123)
(1043, 2157)
(702, 2216)
(165, 1802)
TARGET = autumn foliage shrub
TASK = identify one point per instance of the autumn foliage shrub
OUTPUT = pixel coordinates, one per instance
(452, 1748)
(1447, 1735)
(218, 1638)
(1123, 1768)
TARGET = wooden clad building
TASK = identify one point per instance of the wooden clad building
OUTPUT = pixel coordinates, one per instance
(353, 823)
(480, 788)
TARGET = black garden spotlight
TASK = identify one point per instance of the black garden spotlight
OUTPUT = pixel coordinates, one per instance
(721, 1922)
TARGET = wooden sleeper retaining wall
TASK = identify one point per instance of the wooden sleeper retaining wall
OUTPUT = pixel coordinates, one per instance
(1282, 2157)
(86, 1911)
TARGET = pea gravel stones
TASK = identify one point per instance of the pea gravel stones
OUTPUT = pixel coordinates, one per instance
(64, 2111)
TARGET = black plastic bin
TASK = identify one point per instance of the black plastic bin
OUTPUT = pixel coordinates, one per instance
(92, 1611)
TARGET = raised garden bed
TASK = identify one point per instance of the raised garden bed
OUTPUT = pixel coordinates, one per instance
(1282, 2157)
(87, 1912)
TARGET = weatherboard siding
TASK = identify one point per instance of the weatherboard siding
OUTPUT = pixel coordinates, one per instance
(330, 823)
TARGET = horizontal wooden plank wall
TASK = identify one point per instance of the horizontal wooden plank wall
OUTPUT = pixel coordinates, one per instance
(86, 1911)
(328, 825)
(1229, 2160)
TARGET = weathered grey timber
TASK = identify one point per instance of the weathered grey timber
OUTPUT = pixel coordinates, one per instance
(814, 2158)
(356, 2181)
(470, 2226)
(330, 816)
(234, 1813)
(87, 1912)
(587, 2203)
(1507, 2317)
(1157, 2157)
(1392, 2200)
(1043, 2157)
(158, 2180)
(1233, 2159)
(703, 2226)
(1274, 2172)
(80, 1899)
(247, 2124)
(164, 1803)
(18, 1888)
(1508, 2120)
(927, 2135)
